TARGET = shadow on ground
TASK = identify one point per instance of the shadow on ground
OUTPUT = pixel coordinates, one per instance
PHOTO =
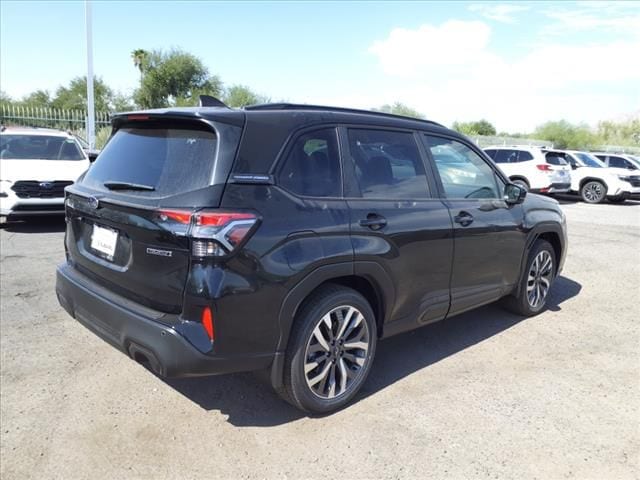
(52, 224)
(249, 402)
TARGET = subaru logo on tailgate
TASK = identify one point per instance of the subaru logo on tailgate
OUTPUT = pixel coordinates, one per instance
(93, 202)
(46, 185)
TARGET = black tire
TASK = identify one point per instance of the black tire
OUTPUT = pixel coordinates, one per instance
(521, 302)
(593, 191)
(303, 348)
(521, 183)
(619, 199)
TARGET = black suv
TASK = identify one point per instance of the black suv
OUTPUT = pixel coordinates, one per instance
(290, 238)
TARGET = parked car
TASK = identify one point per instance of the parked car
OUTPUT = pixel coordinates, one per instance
(290, 238)
(36, 164)
(619, 160)
(529, 167)
(594, 182)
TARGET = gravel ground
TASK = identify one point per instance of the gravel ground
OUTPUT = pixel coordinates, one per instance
(484, 395)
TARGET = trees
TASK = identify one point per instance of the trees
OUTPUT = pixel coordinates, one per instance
(479, 127)
(139, 57)
(399, 108)
(74, 96)
(566, 135)
(174, 78)
(240, 96)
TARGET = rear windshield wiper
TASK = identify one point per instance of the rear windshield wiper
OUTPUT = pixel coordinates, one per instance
(112, 185)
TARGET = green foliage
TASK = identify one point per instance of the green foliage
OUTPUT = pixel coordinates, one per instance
(39, 98)
(102, 135)
(625, 133)
(174, 78)
(74, 96)
(139, 57)
(479, 127)
(399, 108)
(566, 135)
(238, 96)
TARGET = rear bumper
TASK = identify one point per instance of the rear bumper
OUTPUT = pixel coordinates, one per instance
(140, 332)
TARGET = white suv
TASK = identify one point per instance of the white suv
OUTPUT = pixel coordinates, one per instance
(529, 167)
(36, 164)
(594, 181)
(619, 160)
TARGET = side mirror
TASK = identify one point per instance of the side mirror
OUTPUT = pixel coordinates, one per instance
(92, 154)
(574, 166)
(514, 194)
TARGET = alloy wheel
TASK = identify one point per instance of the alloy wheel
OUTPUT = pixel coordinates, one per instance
(539, 279)
(593, 192)
(336, 352)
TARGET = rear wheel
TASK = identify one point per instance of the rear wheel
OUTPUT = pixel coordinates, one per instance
(536, 281)
(330, 350)
(593, 192)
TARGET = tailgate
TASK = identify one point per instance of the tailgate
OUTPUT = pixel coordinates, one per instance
(118, 231)
(130, 251)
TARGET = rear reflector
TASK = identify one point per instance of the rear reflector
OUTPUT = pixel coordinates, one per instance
(207, 323)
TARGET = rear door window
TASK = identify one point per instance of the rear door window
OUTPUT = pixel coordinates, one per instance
(388, 164)
(167, 160)
(618, 162)
(523, 156)
(312, 166)
(506, 156)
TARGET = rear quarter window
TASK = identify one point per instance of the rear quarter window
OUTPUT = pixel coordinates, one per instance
(171, 160)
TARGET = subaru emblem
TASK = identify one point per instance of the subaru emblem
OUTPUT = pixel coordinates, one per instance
(46, 185)
(93, 202)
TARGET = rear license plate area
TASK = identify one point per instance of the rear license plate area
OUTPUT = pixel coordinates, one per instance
(104, 241)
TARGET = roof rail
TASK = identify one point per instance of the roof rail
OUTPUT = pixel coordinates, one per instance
(300, 106)
(209, 101)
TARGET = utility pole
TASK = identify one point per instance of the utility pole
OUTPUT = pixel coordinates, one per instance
(91, 114)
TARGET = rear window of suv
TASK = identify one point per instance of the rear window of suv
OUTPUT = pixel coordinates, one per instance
(168, 160)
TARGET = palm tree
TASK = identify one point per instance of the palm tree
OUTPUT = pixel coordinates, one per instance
(139, 56)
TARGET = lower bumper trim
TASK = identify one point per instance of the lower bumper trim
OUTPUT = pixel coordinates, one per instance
(142, 338)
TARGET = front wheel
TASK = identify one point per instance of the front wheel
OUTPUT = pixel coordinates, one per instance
(536, 281)
(593, 192)
(330, 351)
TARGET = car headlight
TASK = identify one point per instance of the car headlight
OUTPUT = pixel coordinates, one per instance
(624, 178)
(4, 188)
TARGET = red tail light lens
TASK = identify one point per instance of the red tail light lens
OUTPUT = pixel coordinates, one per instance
(207, 323)
(544, 167)
(217, 234)
(214, 233)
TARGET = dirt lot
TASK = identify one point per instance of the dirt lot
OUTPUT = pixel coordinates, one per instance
(484, 395)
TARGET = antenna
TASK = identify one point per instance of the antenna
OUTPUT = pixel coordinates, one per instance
(209, 101)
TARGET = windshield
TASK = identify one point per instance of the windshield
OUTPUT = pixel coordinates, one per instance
(635, 160)
(39, 147)
(588, 160)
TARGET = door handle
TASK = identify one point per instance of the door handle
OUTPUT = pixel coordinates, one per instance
(374, 221)
(463, 218)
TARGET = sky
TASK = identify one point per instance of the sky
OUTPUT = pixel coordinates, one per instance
(516, 64)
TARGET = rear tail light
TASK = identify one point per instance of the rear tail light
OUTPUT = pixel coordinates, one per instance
(213, 234)
(544, 167)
